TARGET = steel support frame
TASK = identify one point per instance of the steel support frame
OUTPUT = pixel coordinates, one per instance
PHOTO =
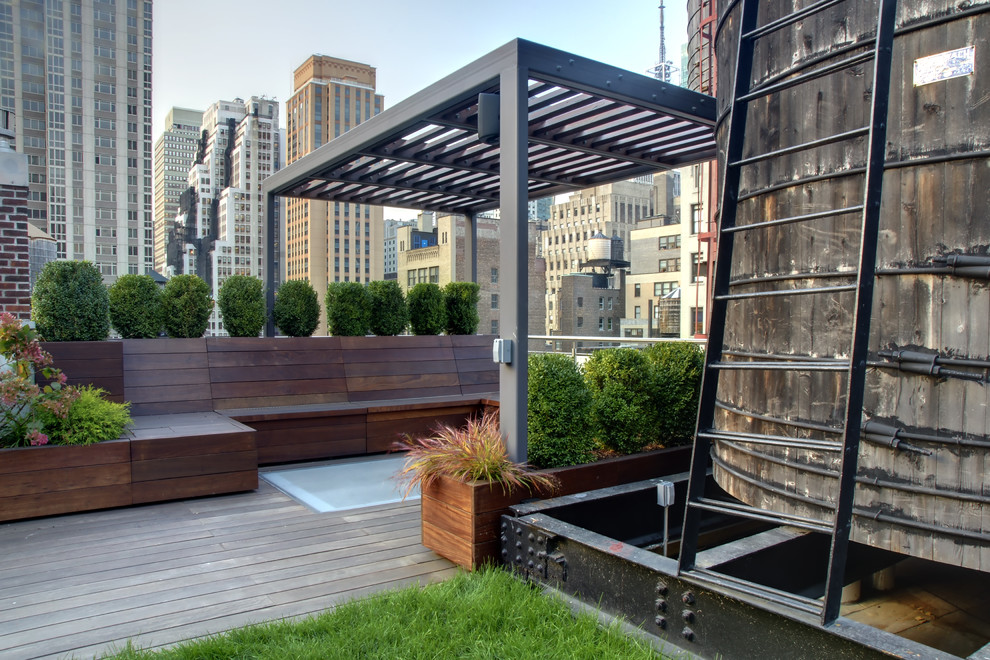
(644, 588)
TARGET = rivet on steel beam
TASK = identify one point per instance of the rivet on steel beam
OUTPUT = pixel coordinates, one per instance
(519, 544)
(688, 634)
(687, 598)
(661, 605)
(532, 537)
(519, 531)
(661, 589)
(688, 616)
(531, 564)
(661, 621)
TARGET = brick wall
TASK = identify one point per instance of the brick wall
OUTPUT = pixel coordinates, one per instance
(15, 287)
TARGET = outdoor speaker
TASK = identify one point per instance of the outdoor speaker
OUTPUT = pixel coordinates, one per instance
(488, 118)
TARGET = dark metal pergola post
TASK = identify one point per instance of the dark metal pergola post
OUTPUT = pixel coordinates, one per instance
(270, 260)
(514, 274)
(470, 246)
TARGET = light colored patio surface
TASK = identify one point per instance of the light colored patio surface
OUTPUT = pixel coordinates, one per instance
(78, 585)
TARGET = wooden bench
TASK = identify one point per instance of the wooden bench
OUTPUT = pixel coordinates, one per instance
(207, 412)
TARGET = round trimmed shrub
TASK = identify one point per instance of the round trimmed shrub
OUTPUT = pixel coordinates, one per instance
(677, 368)
(389, 312)
(297, 308)
(620, 380)
(136, 306)
(242, 305)
(427, 312)
(461, 301)
(348, 309)
(70, 302)
(559, 422)
(186, 306)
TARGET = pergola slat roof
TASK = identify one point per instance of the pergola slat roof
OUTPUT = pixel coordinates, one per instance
(589, 124)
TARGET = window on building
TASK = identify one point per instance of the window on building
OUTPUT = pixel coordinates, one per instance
(695, 218)
(698, 318)
(669, 265)
(411, 278)
(494, 275)
(495, 301)
(580, 321)
(435, 274)
(637, 312)
(601, 322)
(636, 290)
(699, 267)
(610, 303)
(610, 323)
(580, 301)
(601, 302)
(494, 326)
(661, 289)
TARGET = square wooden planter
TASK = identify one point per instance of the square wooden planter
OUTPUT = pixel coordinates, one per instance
(461, 520)
(45, 481)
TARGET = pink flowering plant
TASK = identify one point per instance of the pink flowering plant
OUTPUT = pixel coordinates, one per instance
(24, 405)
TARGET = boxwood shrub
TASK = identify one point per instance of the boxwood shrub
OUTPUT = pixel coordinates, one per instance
(348, 309)
(70, 303)
(461, 301)
(297, 308)
(136, 306)
(242, 305)
(389, 312)
(677, 370)
(559, 422)
(186, 306)
(427, 312)
(621, 380)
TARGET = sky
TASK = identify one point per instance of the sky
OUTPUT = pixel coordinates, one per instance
(211, 50)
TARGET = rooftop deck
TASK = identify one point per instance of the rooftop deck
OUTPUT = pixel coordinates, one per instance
(78, 585)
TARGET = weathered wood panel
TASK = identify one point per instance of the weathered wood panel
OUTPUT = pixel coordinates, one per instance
(934, 203)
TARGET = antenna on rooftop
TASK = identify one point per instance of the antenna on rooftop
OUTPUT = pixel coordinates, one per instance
(665, 68)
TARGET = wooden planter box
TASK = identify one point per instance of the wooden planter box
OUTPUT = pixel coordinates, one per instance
(45, 481)
(460, 520)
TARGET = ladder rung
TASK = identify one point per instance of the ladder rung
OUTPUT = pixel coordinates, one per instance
(784, 185)
(795, 218)
(794, 601)
(772, 88)
(790, 19)
(752, 513)
(773, 440)
(780, 366)
(787, 292)
(793, 277)
(804, 146)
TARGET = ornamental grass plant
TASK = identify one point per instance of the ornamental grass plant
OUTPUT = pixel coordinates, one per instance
(475, 452)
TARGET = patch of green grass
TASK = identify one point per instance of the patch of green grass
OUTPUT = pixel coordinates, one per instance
(488, 614)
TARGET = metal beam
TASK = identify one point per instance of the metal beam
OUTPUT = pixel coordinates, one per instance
(269, 261)
(513, 270)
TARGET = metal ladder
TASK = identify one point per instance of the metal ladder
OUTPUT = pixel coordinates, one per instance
(878, 50)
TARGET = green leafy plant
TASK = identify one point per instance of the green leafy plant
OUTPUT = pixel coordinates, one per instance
(348, 309)
(427, 312)
(70, 303)
(186, 306)
(559, 421)
(620, 380)
(389, 312)
(23, 404)
(297, 308)
(242, 305)
(677, 368)
(135, 306)
(90, 419)
(475, 452)
(461, 302)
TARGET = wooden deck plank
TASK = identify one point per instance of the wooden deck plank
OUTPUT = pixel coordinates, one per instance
(163, 573)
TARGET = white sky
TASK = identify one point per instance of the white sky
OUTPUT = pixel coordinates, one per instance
(211, 50)
(208, 50)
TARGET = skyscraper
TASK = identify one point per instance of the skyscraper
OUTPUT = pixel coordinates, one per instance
(175, 152)
(77, 74)
(337, 241)
(220, 227)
